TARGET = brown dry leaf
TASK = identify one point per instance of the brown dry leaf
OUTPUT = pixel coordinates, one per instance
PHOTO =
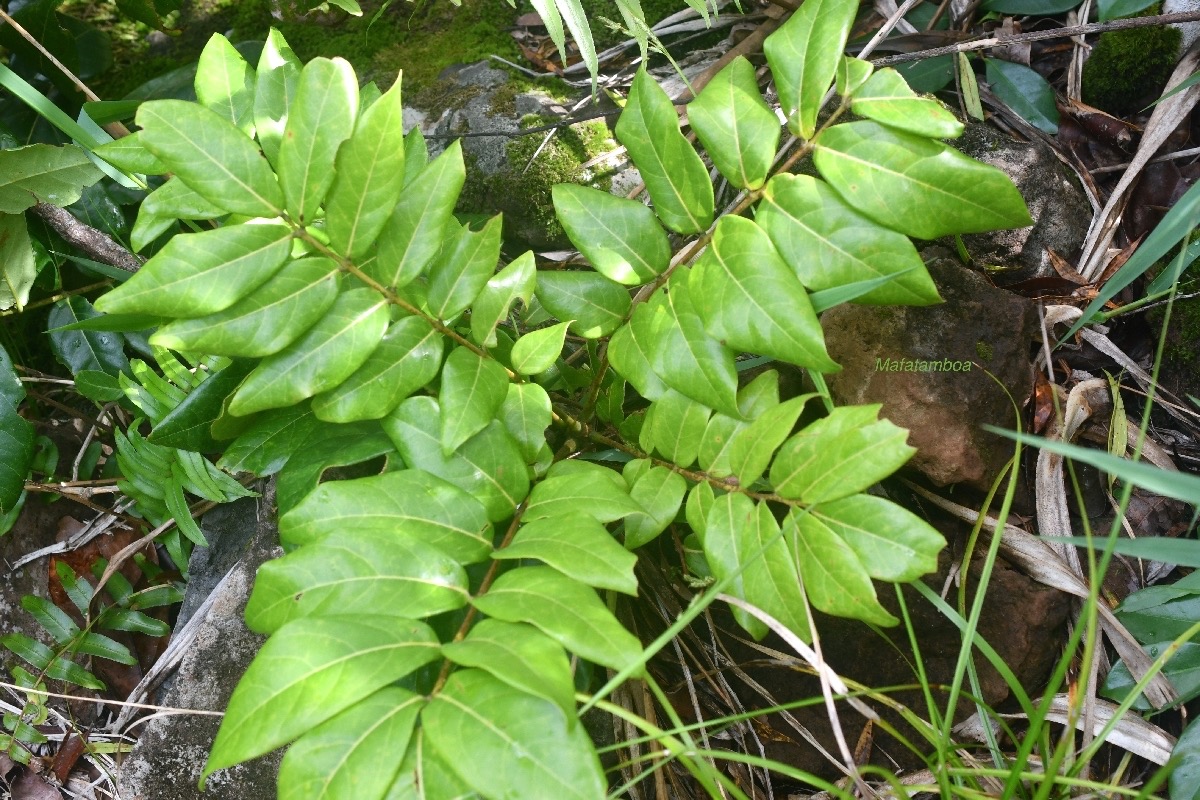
(1100, 125)
(31, 786)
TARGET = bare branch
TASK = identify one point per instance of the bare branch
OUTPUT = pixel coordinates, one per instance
(97, 244)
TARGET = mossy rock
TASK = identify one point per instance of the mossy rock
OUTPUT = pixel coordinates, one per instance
(1128, 69)
(1180, 371)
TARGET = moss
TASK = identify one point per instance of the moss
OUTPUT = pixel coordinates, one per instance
(984, 351)
(1181, 356)
(1128, 69)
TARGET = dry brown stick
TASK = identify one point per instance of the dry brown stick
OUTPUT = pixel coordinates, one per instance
(1035, 36)
(95, 243)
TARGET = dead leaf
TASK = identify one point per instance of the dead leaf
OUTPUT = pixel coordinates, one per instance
(31, 786)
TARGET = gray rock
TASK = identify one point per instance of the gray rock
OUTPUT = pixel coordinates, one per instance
(171, 751)
(979, 325)
(1058, 205)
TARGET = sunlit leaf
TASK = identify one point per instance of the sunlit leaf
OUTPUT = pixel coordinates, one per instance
(804, 55)
(620, 237)
(735, 125)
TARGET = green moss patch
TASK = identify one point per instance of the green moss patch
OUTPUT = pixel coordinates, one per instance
(1128, 69)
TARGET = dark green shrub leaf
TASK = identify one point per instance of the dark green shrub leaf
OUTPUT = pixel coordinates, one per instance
(42, 173)
(536, 351)
(751, 448)
(804, 56)
(578, 546)
(660, 492)
(674, 174)
(945, 191)
(187, 425)
(620, 237)
(408, 357)
(526, 413)
(209, 154)
(603, 500)
(735, 126)
(1025, 91)
(225, 83)
(1182, 670)
(462, 268)
(11, 388)
(673, 427)
(310, 670)
(472, 390)
(685, 356)
(629, 352)
(354, 754)
(1040, 7)
(369, 176)
(130, 155)
(1184, 782)
(18, 267)
(886, 98)
(829, 244)
(521, 656)
(269, 441)
(596, 304)
(892, 543)
(564, 609)
(409, 502)
(514, 282)
(322, 358)
(81, 350)
(176, 200)
(356, 571)
(328, 446)
(1163, 622)
(1113, 9)
(317, 124)
(275, 83)
(527, 750)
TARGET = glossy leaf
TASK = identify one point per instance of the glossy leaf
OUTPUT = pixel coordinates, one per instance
(521, 656)
(275, 83)
(187, 425)
(840, 455)
(16, 454)
(674, 174)
(225, 83)
(578, 546)
(218, 161)
(751, 448)
(945, 191)
(42, 173)
(472, 390)
(462, 269)
(564, 609)
(81, 350)
(1184, 782)
(268, 441)
(415, 230)
(176, 200)
(1182, 670)
(329, 446)
(18, 268)
(409, 502)
(686, 357)
(620, 237)
(804, 55)
(408, 357)
(828, 244)
(1107, 10)
(596, 304)
(311, 670)
(130, 155)
(488, 466)
(1162, 622)
(892, 543)
(603, 500)
(1025, 92)
(835, 580)
(266, 320)
(504, 742)
(368, 178)
(328, 353)
(629, 352)
(887, 99)
(354, 753)
(319, 121)
(736, 127)
(536, 351)
(526, 414)
(660, 492)
(514, 282)
(851, 74)
(1031, 6)
(752, 301)
(202, 273)
(674, 425)
(356, 571)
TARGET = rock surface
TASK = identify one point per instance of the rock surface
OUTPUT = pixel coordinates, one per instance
(979, 327)
(170, 754)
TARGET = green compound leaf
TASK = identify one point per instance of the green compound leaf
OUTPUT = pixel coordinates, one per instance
(674, 174)
(829, 244)
(596, 304)
(225, 83)
(674, 427)
(414, 232)
(578, 546)
(319, 360)
(738, 532)
(835, 580)
(892, 543)
(462, 268)
(752, 301)
(42, 173)
(472, 390)
(311, 670)
(685, 356)
(410, 502)
(804, 55)
(408, 357)
(504, 742)
(130, 155)
(1025, 91)
(751, 448)
(887, 99)
(266, 320)
(521, 656)
(514, 282)
(944, 191)
(319, 121)
(202, 273)
(536, 351)
(630, 350)
(564, 609)
(354, 753)
(218, 161)
(620, 237)
(840, 455)
(526, 413)
(369, 177)
(356, 571)
(660, 492)
(735, 125)
(603, 500)
(488, 466)
(275, 84)
(18, 267)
